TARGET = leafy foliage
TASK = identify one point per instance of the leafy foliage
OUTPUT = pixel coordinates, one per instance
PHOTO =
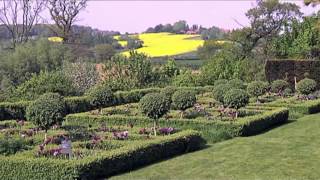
(100, 96)
(278, 86)
(219, 91)
(257, 88)
(236, 98)
(183, 99)
(306, 86)
(45, 82)
(154, 105)
(47, 110)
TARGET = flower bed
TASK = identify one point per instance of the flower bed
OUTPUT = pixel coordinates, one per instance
(98, 150)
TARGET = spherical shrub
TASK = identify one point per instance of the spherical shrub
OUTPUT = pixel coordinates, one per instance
(278, 86)
(47, 110)
(257, 88)
(154, 105)
(236, 98)
(220, 81)
(219, 91)
(183, 99)
(100, 96)
(237, 84)
(306, 86)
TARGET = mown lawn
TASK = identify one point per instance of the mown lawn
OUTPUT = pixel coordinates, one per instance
(291, 151)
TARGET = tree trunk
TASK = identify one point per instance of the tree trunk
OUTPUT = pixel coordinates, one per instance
(154, 127)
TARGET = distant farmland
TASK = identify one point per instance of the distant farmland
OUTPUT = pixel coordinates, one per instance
(167, 44)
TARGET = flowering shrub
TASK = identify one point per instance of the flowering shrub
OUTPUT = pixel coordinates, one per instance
(166, 130)
(121, 135)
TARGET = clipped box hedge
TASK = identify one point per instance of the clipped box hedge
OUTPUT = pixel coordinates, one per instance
(305, 107)
(17, 110)
(103, 165)
(211, 130)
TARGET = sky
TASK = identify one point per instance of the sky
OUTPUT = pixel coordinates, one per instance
(137, 16)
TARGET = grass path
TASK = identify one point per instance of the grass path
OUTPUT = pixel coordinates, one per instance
(291, 151)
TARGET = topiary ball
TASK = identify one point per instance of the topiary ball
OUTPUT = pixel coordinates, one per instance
(279, 86)
(236, 98)
(237, 84)
(46, 111)
(219, 91)
(154, 105)
(100, 96)
(306, 86)
(257, 88)
(183, 99)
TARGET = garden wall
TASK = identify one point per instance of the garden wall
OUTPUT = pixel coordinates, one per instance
(288, 69)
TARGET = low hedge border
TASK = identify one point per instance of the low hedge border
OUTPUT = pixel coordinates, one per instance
(211, 130)
(16, 110)
(105, 164)
(306, 107)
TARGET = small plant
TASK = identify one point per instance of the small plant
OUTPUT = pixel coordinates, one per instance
(121, 135)
(46, 111)
(306, 86)
(154, 105)
(183, 99)
(287, 92)
(236, 98)
(100, 96)
(257, 88)
(278, 86)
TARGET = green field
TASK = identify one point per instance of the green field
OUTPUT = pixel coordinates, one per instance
(287, 152)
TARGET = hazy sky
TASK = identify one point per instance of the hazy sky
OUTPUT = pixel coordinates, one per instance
(137, 16)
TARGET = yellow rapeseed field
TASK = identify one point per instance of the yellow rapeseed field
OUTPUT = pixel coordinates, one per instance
(55, 39)
(167, 44)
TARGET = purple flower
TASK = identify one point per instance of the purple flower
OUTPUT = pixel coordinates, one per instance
(166, 130)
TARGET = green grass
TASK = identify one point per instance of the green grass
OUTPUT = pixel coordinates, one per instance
(291, 151)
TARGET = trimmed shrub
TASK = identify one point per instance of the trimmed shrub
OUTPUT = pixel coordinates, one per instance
(46, 111)
(306, 86)
(10, 145)
(278, 86)
(183, 99)
(237, 84)
(100, 96)
(287, 92)
(257, 88)
(236, 98)
(219, 92)
(154, 105)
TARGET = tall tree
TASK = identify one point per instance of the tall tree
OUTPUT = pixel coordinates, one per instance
(19, 17)
(267, 20)
(64, 13)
